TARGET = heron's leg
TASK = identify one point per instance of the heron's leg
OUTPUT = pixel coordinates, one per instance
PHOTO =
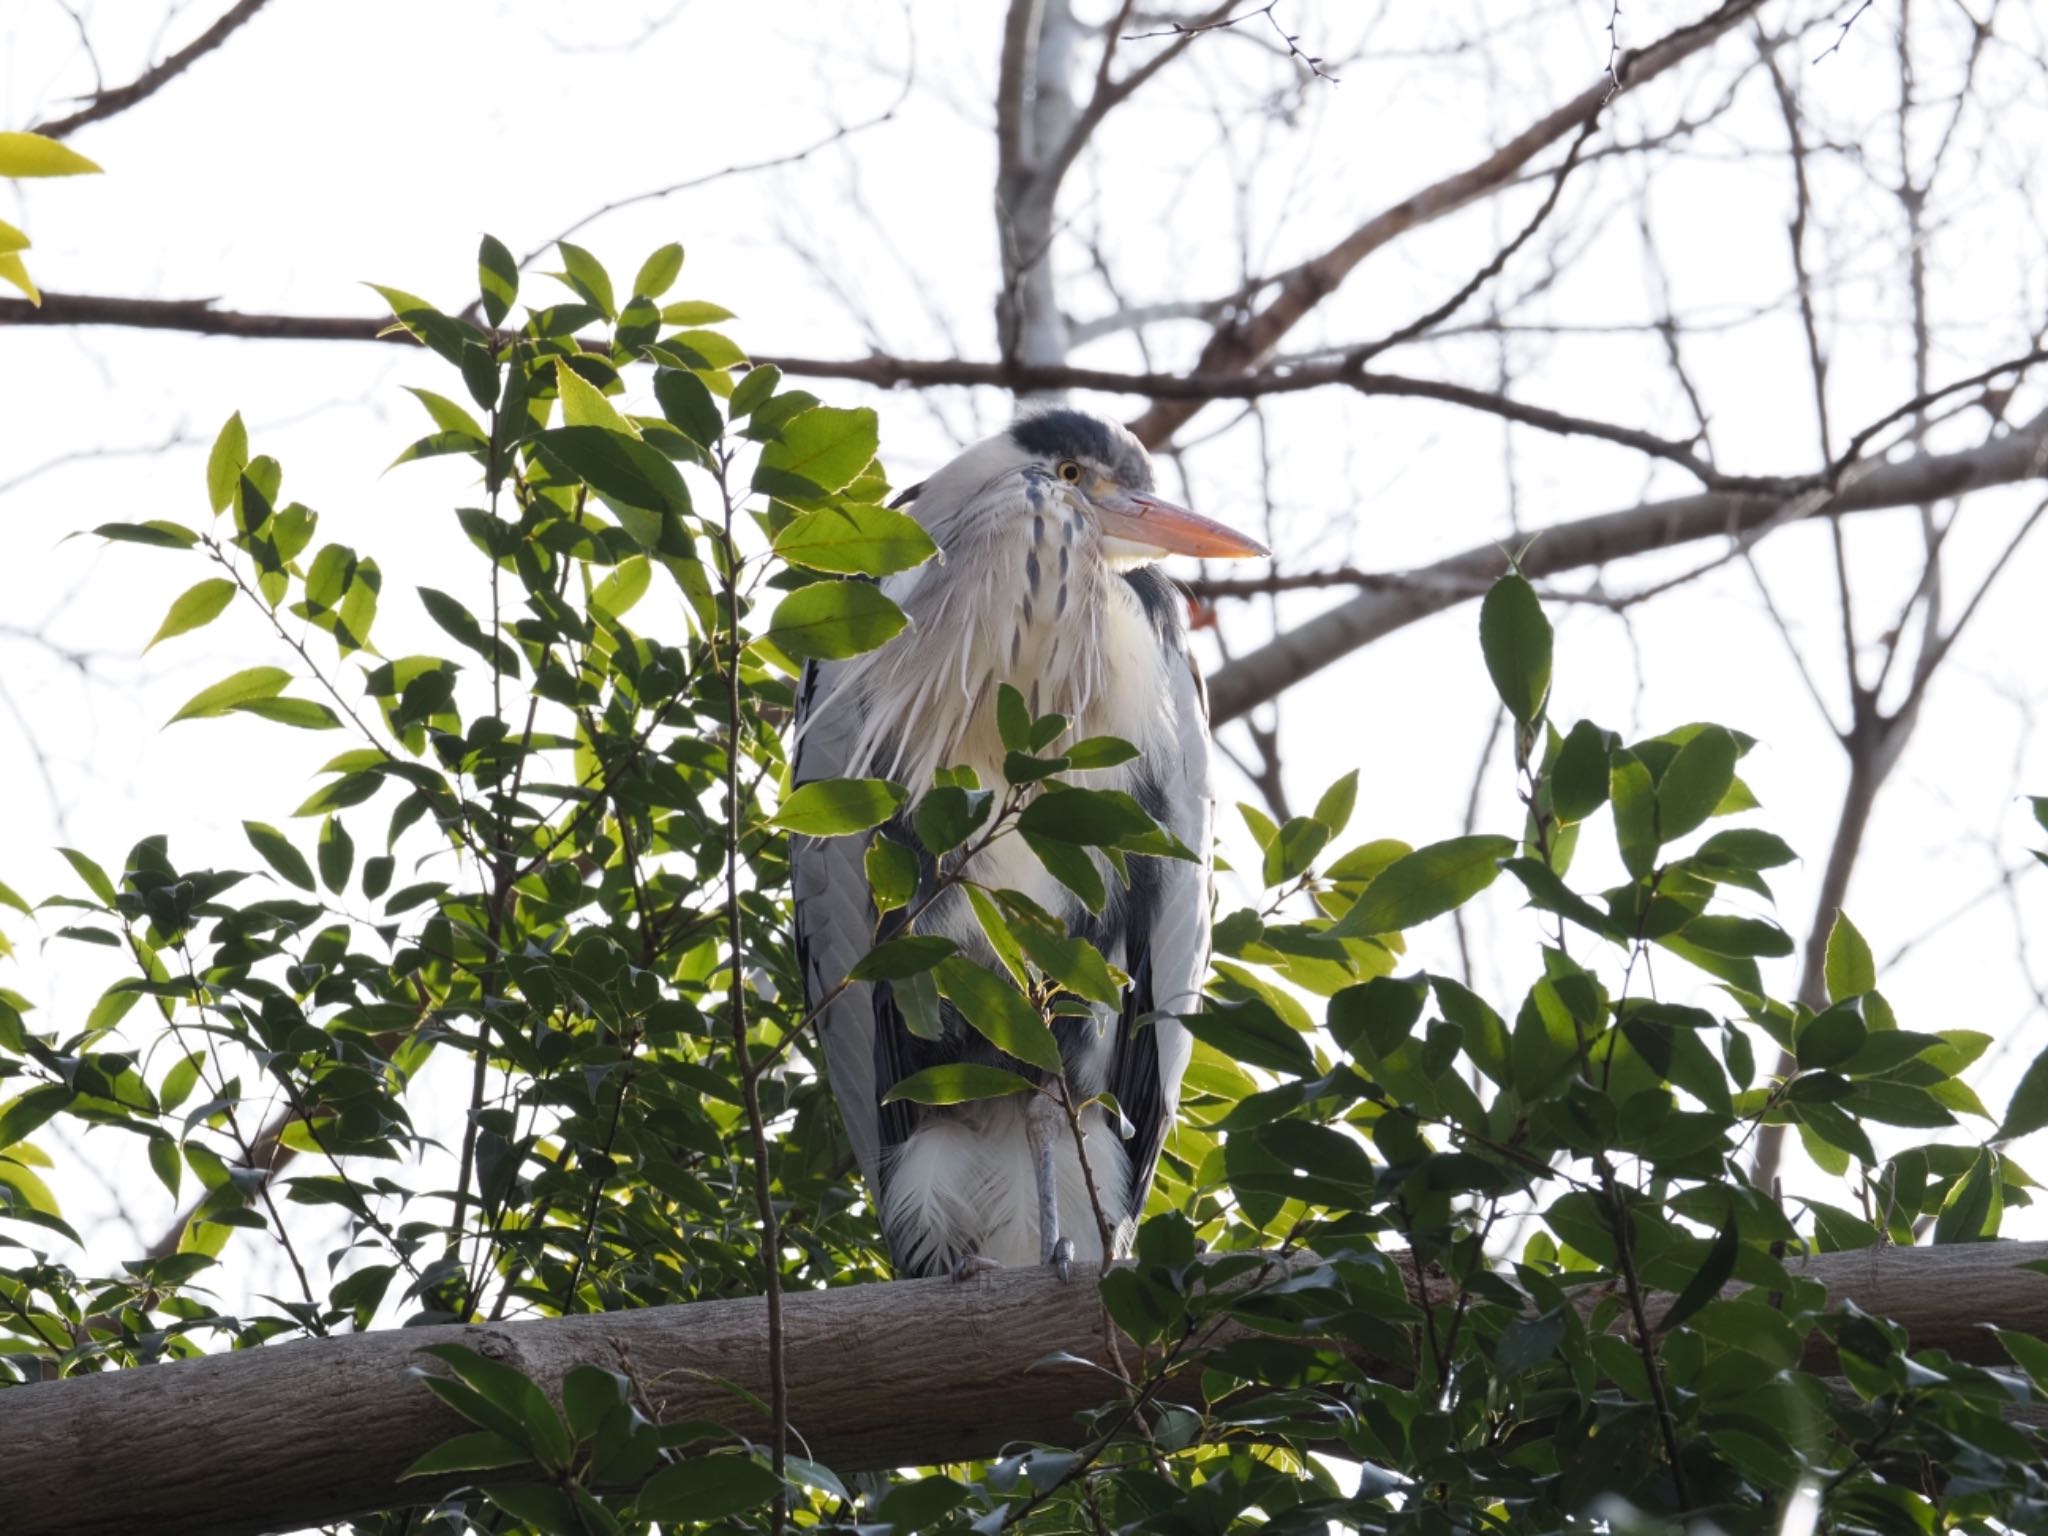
(1044, 1120)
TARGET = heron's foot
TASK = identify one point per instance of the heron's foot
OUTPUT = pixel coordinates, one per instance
(1063, 1259)
(972, 1264)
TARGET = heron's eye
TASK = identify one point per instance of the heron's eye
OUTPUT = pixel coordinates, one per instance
(1070, 471)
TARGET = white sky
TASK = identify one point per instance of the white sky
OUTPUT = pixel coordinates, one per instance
(328, 145)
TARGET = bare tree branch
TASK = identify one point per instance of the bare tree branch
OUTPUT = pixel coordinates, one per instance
(1278, 665)
(1301, 289)
(105, 104)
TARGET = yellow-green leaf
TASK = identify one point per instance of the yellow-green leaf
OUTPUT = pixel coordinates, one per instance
(199, 605)
(584, 405)
(251, 683)
(31, 154)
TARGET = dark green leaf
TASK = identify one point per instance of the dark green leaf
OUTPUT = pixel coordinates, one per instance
(2027, 1111)
(1705, 1285)
(478, 1451)
(337, 855)
(902, 957)
(1578, 780)
(279, 854)
(1252, 1033)
(1832, 1037)
(947, 816)
(1516, 640)
(1695, 782)
(619, 467)
(1073, 866)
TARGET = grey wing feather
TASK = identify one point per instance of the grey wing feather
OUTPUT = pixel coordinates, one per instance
(835, 917)
(1174, 933)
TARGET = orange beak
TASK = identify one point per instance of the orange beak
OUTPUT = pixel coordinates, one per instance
(1146, 522)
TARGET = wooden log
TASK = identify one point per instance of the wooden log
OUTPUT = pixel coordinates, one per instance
(885, 1375)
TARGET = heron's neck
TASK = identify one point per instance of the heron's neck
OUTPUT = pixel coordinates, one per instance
(1033, 604)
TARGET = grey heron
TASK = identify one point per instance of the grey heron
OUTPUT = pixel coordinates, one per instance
(1048, 533)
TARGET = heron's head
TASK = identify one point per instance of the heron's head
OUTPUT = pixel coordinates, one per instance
(1073, 461)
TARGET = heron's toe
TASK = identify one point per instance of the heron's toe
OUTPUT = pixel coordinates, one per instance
(972, 1264)
(1063, 1259)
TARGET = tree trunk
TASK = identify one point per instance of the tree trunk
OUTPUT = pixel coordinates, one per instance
(885, 1375)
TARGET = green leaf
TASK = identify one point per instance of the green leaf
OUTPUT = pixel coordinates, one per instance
(1634, 794)
(820, 451)
(627, 584)
(497, 276)
(156, 533)
(1333, 810)
(911, 956)
(225, 463)
(1970, 1212)
(1694, 783)
(337, 855)
(855, 539)
(1073, 866)
(835, 807)
(1832, 1037)
(956, 1083)
(2028, 1110)
(306, 714)
(1578, 779)
(1101, 752)
(706, 1488)
(251, 683)
(1745, 848)
(949, 815)
(447, 415)
(1849, 967)
(1747, 936)
(1425, 884)
(688, 405)
(584, 404)
(619, 467)
(658, 273)
(1092, 818)
(1715, 1270)
(196, 607)
(1252, 1033)
(1013, 720)
(588, 277)
(1516, 640)
(831, 620)
(94, 877)
(1294, 849)
(279, 854)
(998, 1012)
(24, 1114)
(1075, 964)
(34, 154)
(892, 873)
(478, 1451)
(694, 312)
